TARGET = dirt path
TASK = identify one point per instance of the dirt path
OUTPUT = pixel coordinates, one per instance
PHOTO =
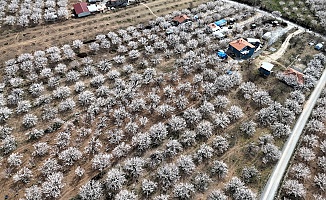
(251, 19)
(57, 34)
(281, 51)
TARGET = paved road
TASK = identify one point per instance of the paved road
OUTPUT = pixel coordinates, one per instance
(275, 179)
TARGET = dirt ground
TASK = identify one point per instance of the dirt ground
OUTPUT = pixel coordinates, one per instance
(44, 36)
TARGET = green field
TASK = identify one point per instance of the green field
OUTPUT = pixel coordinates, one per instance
(297, 11)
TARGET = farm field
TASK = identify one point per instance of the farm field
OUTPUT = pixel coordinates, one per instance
(125, 105)
(45, 35)
(310, 14)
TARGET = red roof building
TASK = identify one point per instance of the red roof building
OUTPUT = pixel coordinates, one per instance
(181, 19)
(296, 73)
(81, 9)
(241, 44)
(241, 48)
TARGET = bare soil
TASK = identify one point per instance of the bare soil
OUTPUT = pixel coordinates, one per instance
(45, 36)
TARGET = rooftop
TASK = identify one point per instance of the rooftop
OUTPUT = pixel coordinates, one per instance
(241, 44)
(267, 66)
(80, 7)
(181, 18)
(298, 74)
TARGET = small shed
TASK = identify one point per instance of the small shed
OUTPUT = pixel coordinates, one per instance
(266, 68)
(221, 22)
(319, 46)
(81, 9)
(221, 54)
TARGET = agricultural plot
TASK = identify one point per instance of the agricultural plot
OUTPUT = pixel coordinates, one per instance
(306, 177)
(146, 112)
(41, 37)
(309, 14)
(23, 13)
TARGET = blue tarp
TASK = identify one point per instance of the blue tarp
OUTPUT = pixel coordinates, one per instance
(319, 46)
(221, 22)
(222, 54)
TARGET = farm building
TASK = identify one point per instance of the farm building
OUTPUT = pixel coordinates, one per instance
(254, 41)
(181, 19)
(221, 22)
(319, 46)
(117, 3)
(81, 9)
(241, 48)
(296, 73)
(266, 68)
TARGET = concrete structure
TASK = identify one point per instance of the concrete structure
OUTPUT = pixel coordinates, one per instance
(266, 68)
(81, 9)
(241, 48)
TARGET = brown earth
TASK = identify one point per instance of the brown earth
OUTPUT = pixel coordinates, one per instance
(45, 36)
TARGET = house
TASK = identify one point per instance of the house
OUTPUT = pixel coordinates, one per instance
(221, 22)
(241, 48)
(266, 68)
(254, 41)
(221, 54)
(180, 19)
(319, 46)
(81, 9)
(299, 75)
(116, 3)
